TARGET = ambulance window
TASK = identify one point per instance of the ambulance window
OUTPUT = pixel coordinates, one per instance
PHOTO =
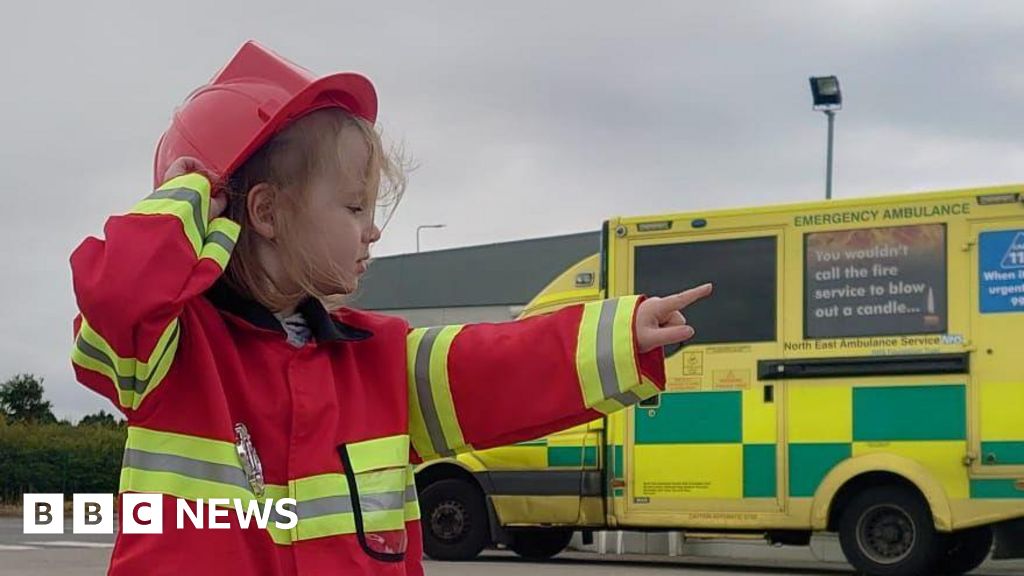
(744, 272)
(875, 281)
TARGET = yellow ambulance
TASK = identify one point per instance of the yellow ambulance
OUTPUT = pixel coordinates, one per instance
(859, 369)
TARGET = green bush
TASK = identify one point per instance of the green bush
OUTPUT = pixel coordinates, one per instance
(41, 458)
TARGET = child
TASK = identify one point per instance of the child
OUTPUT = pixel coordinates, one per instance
(206, 318)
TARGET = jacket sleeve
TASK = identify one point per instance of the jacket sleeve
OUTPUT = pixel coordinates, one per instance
(132, 286)
(482, 385)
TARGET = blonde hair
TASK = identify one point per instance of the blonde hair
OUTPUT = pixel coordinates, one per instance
(309, 147)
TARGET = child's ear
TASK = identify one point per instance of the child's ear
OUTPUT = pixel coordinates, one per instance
(260, 206)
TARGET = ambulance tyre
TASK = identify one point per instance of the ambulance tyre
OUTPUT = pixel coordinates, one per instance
(965, 550)
(540, 543)
(888, 531)
(454, 520)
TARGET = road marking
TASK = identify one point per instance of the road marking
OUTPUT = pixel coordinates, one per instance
(15, 548)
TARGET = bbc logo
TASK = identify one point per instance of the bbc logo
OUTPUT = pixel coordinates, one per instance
(144, 513)
(92, 514)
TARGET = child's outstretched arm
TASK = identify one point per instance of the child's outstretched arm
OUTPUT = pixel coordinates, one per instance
(131, 286)
(484, 385)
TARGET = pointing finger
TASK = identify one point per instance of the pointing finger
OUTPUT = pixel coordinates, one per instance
(687, 297)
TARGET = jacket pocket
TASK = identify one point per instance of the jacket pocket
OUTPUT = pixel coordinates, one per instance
(377, 472)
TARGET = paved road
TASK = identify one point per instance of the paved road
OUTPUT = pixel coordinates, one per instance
(68, 554)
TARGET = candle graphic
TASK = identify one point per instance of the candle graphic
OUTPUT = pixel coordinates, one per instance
(931, 319)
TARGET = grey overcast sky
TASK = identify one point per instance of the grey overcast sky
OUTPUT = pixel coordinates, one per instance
(527, 118)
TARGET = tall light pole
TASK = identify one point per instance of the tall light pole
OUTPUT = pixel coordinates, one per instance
(828, 98)
(421, 227)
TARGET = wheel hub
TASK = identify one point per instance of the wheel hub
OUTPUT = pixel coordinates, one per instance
(449, 520)
(886, 534)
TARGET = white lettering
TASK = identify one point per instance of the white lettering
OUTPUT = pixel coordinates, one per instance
(216, 514)
(185, 510)
(286, 507)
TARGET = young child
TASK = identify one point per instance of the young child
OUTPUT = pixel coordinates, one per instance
(207, 318)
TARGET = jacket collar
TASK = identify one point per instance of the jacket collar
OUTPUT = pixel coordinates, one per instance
(325, 328)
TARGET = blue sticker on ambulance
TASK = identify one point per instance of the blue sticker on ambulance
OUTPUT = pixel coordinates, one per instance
(1001, 273)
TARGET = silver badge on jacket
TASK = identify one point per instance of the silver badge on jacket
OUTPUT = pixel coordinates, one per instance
(250, 460)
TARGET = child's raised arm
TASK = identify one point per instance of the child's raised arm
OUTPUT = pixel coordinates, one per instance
(483, 385)
(131, 286)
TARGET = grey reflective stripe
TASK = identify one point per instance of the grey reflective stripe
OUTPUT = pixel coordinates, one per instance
(382, 501)
(627, 398)
(129, 383)
(543, 483)
(198, 469)
(123, 382)
(343, 504)
(426, 395)
(606, 350)
(324, 506)
(222, 239)
(185, 195)
(410, 494)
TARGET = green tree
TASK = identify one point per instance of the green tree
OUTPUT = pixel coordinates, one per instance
(21, 400)
(101, 418)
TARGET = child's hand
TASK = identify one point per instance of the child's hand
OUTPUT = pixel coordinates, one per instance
(187, 165)
(659, 321)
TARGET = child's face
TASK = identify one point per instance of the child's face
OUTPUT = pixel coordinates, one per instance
(341, 210)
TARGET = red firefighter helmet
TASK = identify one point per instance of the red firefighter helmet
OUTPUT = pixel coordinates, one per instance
(253, 97)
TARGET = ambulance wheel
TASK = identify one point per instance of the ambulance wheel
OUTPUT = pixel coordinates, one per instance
(888, 531)
(965, 550)
(454, 520)
(540, 544)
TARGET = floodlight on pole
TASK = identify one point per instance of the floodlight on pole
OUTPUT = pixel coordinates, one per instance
(828, 98)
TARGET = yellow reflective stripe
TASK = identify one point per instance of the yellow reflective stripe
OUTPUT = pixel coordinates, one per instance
(412, 511)
(379, 453)
(412, 503)
(210, 450)
(178, 485)
(192, 181)
(217, 253)
(193, 468)
(381, 481)
(434, 424)
(279, 536)
(441, 387)
(646, 389)
(129, 367)
(319, 486)
(608, 406)
(187, 198)
(418, 434)
(329, 525)
(383, 520)
(586, 355)
(387, 500)
(226, 227)
(132, 378)
(624, 343)
(220, 241)
(605, 356)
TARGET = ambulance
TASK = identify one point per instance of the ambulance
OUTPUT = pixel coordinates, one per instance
(859, 370)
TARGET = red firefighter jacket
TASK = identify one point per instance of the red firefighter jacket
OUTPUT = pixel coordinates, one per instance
(207, 380)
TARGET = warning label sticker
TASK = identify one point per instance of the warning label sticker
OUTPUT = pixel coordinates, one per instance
(730, 379)
(693, 363)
